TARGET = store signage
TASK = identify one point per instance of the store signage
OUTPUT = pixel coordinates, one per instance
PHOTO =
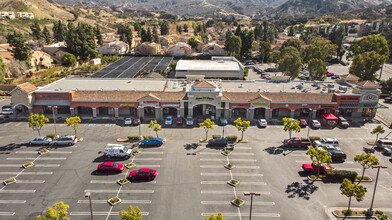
(260, 104)
(52, 96)
(282, 106)
(127, 105)
(150, 102)
(204, 98)
(327, 106)
(239, 105)
(170, 105)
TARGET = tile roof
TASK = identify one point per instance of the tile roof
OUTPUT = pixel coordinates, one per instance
(27, 87)
(350, 77)
(204, 84)
(125, 95)
(368, 84)
(279, 97)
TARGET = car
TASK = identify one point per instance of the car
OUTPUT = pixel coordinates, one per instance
(65, 140)
(388, 99)
(40, 141)
(343, 123)
(117, 150)
(152, 142)
(136, 121)
(387, 150)
(110, 167)
(223, 121)
(128, 121)
(337, 155)
(199, 120)
(7, 110)
(189, 121)
(326, 141)
(297, 142)
(261, 123)
(303, 123)
(330, 74)
(143, 174)
(315, 124)
(179, 121)
(169, 120)
(328, 147)
(335, 77)
(313, 168)
(222, 141)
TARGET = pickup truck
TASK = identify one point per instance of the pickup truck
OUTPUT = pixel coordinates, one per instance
(312, 168)
(297, 142)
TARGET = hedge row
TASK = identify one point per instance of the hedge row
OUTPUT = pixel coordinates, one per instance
(51, 136)
(215, 136)
(312, 138)
(133, 138)
(340, 174)
(231, 138)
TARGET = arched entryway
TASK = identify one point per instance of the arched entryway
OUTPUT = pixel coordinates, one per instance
(169, 111)
(82, 110)
(281, 112)
(259, 113)
(21, 109)
(149, 112)
(205, 110)
(239, 112)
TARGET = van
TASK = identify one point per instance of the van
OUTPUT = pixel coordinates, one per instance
(342, 122)
(117, 150)
(381, 143)
(326, 141)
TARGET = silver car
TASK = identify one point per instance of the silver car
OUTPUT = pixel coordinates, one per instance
(315, 124)
(189, 121)
(65, 140)
(40, 141)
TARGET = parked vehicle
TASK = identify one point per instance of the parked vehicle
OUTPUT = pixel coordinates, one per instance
(297, 142)
(387, 150)
(152, 142)
(222, 141)
(326, 141)
(110, 167)
(261, 123)
(258, 70)
(128, 121)
(40, 141)
(116, 150)
(315, 124)
(189, 121)
(342, 122)
(303, 123)
(335, 77)
(179, 121)
(136, 121)
(313, 168)
(169, 120)
(388, 99)
(337, 155)
(143, 174)
(199, 120)
(7, 110)
(330, 74)
(65, 140)
(223, 121)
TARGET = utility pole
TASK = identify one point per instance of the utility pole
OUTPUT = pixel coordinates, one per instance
(251, 194)
(310, 110)
(370, 210)
(54, 119)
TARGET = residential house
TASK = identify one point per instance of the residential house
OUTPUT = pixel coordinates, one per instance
(169, 40)
(95, 61)
(185, 37)
(5, 53)
(148, 48)
(24, 15)
(6, 14)
(180, 49)
(40, 60)
(213, 49)
(114, 48)
(57, 51)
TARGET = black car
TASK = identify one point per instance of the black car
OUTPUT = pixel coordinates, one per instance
(218, 142)
(136, 121)
(337, 155)
(388, 99)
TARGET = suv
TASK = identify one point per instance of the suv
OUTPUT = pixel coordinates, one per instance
(116, 150)
(65, 140)
(7, 110)
(326, 141)
(222, 141)
(189, 121)
(342, 122)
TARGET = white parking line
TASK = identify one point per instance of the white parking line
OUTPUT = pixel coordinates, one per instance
(224, 182)
(30, 181)
(144, 152)
(122, 201)
(103, 181)
(243, 148)
(17, 124)
(217, 153)
(228, 174)
(148, 158)
(346, 168)
(215, 159)
(141, 165)
(36, 152)
(298, 155)
(17, 191)
(115, 191)
(10, 165)
(32, 158)
(7, 213)
(6, 125)
(387, 188)
(26, 173)
(220, 166)
(254, 183)
(228, 203)
(271, 215)
(37, 165)
(102, 213)
(13, 201)
(228, 192)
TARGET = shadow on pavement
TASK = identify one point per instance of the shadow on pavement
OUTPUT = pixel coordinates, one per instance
(10, 147)
(301, 190)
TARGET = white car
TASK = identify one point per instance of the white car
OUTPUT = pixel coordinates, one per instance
(189, 121)
(169, 120)
(326, 141)
(315, 124)
(116, 150)
(261, 123)
(65, 140)
(128, 121)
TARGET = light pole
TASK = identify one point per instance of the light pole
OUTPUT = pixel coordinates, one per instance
(251, 194)
(370, 210)
(88, 194)
(140, 124)
(309, 122)
(54, 119)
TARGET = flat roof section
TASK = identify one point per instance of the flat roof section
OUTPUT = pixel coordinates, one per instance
(207, 65)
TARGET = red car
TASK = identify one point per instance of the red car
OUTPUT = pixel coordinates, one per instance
(312, 168)
(330, 74)
(110, 167)
(179, 121)
(303, 123)
(143, 174)
(199, 120)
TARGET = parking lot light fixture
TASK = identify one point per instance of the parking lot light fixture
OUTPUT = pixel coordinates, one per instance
(54, 119)
(88, 195)
(251, 194)
(370, 210)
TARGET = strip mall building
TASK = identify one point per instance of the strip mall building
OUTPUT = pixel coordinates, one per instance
(158, 98)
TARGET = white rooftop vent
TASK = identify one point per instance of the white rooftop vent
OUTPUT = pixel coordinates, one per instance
(241, 86)
(75, 89)
(133, 89)
(175, 84)
(100, 89)
(57, 89)
(117, 89)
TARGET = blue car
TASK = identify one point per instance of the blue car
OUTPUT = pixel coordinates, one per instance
(152, 142)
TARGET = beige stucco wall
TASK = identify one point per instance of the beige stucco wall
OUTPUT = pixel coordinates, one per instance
(20, 97)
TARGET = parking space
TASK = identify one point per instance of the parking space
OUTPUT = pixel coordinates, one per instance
(193, 180)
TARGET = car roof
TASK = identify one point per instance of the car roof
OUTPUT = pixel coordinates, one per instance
(108, 163)
(144, 170)
(329, 139)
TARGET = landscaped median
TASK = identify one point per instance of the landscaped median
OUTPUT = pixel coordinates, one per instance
(357, 214)
(229, 166)
(43, 151)
(9, 181)
(122, 181)
(238, 202)
(129, 165)
(113, 201)
(28, 164)
(233, 182)
(339, 176)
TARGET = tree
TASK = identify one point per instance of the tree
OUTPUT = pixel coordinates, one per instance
(233, 45)
(21, 49)
(73, 122)
(164, 28)
(290, 65)
(377, 130)
(16, 68)
(293, 42)
(337, 37)
(366, 161)
(3, 68)
(247, 39)
(59, 31)
(98, 35)
(193, 41)
(265, 48)
(319, 48)
(238, 31)
(68, 60)
(46, 35)
(37, 121)
(185, 28)
(58, 212)
(131, 214)
(36, 31)
(366, 65)
(386, 86)
(207, 125)
(317, 69)
(155, 35)
(291, 125)
(349, 189)
(81, 41)
(215, 217)
(125, 32)
(205, 38)
(274, 57)
(241, 126)
(155, 127)
(179, 28)
(374, 43)
(319, 156)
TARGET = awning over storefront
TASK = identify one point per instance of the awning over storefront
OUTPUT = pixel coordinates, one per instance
(330, 117)
(362, 105)
(52, 102)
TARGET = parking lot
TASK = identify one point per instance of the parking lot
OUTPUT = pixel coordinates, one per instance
(192, 180)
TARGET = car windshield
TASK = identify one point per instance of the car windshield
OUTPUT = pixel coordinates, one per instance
(125, 149)
(127, 119)
(115, 164)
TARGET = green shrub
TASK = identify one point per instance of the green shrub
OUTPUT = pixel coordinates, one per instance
(364, 178)
(378, 212)
(51, 136)
(341, 174)
(246, 71)
(123, 180)
(312, 138)
(44, 150)
(384, 95)
(133, 138)
(237, 201)
(231, 138)
(147, 137)
(312, 176)
(347, 212)
(114, 199)
(215, 136)
(28, 163)
(10, 180)
(233, 181)
(383, 217)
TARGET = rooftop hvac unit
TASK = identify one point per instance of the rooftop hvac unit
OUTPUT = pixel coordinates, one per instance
(100, 89)
(133, 90)
(331, 85)
(343, 88)
(331, 90)
(75, 89)
(175, 84)
(57, 89)
(117, 89)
